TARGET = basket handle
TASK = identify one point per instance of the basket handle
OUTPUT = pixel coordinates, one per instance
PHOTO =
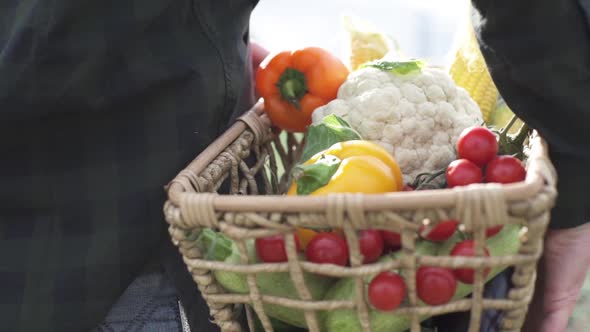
(254, 119)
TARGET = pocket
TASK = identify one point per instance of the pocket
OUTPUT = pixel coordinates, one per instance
(149, 304)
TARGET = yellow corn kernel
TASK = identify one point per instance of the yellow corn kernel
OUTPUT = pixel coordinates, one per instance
(469, 71)
(365, 43)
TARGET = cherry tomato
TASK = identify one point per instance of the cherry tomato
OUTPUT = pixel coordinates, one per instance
(467, 248)
(435, 285)
(371, 245)
(493, 230)
(339, 232)
(271, 249)
(392, 239)
(441, 232)
(305, 235)
(327, 248)
(387, 291)
(462, 172)
(478, 145)
(505, 169)
(407, 187)
(390, 249)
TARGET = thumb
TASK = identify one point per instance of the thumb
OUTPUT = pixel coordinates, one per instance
(259, 53)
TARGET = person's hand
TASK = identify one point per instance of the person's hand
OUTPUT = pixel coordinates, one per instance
(562, 271)
(258, 54)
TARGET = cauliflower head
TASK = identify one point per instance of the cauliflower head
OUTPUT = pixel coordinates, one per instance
(417, 117)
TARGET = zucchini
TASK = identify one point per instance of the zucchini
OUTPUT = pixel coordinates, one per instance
(504, 243)
(278, 284)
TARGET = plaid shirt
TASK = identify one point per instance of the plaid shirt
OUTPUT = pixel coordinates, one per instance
(102, 103)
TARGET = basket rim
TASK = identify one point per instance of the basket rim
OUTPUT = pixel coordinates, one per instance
(533, 184)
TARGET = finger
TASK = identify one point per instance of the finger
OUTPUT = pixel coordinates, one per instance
(258, 54)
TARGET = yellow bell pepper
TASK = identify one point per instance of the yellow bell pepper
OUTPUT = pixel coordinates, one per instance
(357, 166)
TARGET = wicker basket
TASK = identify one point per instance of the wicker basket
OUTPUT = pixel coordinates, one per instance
(243, 159)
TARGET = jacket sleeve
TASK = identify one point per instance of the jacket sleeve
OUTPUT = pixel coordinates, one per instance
(538, 52)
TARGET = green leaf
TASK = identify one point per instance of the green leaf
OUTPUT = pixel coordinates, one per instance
(314, 176)
(397, 67)
(323, 135)
(214, 245)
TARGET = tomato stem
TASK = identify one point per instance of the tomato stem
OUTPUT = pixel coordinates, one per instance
(292, 86)
(522, 134)
(509, 125)
(462, 235)
(512, 144)
(427, 180)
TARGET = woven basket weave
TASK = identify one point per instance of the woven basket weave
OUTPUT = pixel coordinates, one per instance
(244, 158)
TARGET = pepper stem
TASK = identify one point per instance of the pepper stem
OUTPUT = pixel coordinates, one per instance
(292, 86)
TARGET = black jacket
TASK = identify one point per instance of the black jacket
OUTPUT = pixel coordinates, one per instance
(538, 53)
(102, 102)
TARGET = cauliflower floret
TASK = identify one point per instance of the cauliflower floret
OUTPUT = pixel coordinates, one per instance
(416, 117)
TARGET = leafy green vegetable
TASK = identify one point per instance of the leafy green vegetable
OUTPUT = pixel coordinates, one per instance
(311, 177)
(323, 135)
(397, 67)
(216, 246)
(277, 284)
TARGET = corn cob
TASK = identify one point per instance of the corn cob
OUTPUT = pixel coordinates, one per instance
(365, 42)
(469, 71)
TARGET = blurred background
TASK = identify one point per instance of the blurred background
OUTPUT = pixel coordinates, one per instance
(423, 28)
(426, 29)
